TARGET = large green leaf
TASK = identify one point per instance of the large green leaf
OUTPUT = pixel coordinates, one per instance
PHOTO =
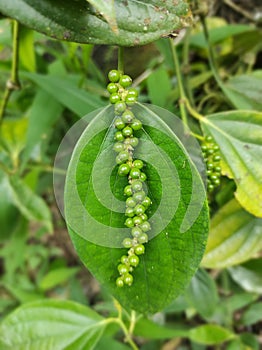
(239, 136)
(95, 206)
(138, 22)
(51, 325)
(235, 236)
(107, 10)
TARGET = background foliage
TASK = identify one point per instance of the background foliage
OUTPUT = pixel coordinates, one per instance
(42, 279)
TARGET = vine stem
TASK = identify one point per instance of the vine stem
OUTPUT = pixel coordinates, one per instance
(180, 83)
(121, 59)
(191, 110)
(13, 83)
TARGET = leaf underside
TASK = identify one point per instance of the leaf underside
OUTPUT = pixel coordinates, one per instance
(138, 22)
(171, 257)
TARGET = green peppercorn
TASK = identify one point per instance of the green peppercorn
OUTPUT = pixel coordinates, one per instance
(136, 185)
(129, 222)
(125, 81)
(128, 116)
(139, 209)
(138, 164)
(146, 202)
(119, 124)
(114, 98)
(127, 131)
(128, 191)
(136, 124)
(139, 196)
(130, 212)
(122, 157)
(142, 177)
(137, 220)
(122, 268)
(112, 88)
(114, 75)
(133, 141)
(144, 217)
(139, 249)
(127, 243)
(145, 226)
(123, 169)
(132, 92)
(143, 238)
(130, 100)
(119, 136)
(130, 202)
(119, 282)
(119, 147)
(136, 232)
(133, 260)
(128, 279)
(134, 173)
(120, 107)
(124, 259)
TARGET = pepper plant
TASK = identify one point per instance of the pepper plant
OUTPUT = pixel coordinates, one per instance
(138, 184)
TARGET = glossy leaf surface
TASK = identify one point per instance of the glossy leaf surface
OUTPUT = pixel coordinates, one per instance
(49, 325)
(239, 136)
(138, 22)
(95, 206)
(235, 236)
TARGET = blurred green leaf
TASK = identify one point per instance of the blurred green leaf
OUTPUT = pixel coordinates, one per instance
(68, 94)
(218, 34)
(8, 212)
(235, 236)
(13, 136)
(238, 301)
(210, 334)
(150, 330)
(138, 22)
(252, 315)
(26, 49)
(57, 276)
(248, 275)
(44, 112)
(159, 87)
(106, 343)
(30, 204)
(239, 136)
(246, 91)
(202, 293)
(23, 296)
(51, 325)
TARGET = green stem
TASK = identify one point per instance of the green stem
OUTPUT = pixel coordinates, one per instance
(13, 83)
(121, 59)
(191, 110)
(211, 55)
(186, 66)
(180, 83)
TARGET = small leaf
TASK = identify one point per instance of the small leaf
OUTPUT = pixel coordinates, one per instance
(57, 276)
(210, 334)
(31, 205)
(239, 136)
(138, 22)
(150, 330)
(44, 112)
(26, 49)
(159, 86)
(51, 324)
(95, 206)
(248, 275)
(66, 93)
(202, 293)
(246, 91)
(235, 236)
(252, 315)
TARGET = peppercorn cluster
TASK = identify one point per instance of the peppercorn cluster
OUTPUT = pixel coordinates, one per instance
(212, 158)
(122, 96)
